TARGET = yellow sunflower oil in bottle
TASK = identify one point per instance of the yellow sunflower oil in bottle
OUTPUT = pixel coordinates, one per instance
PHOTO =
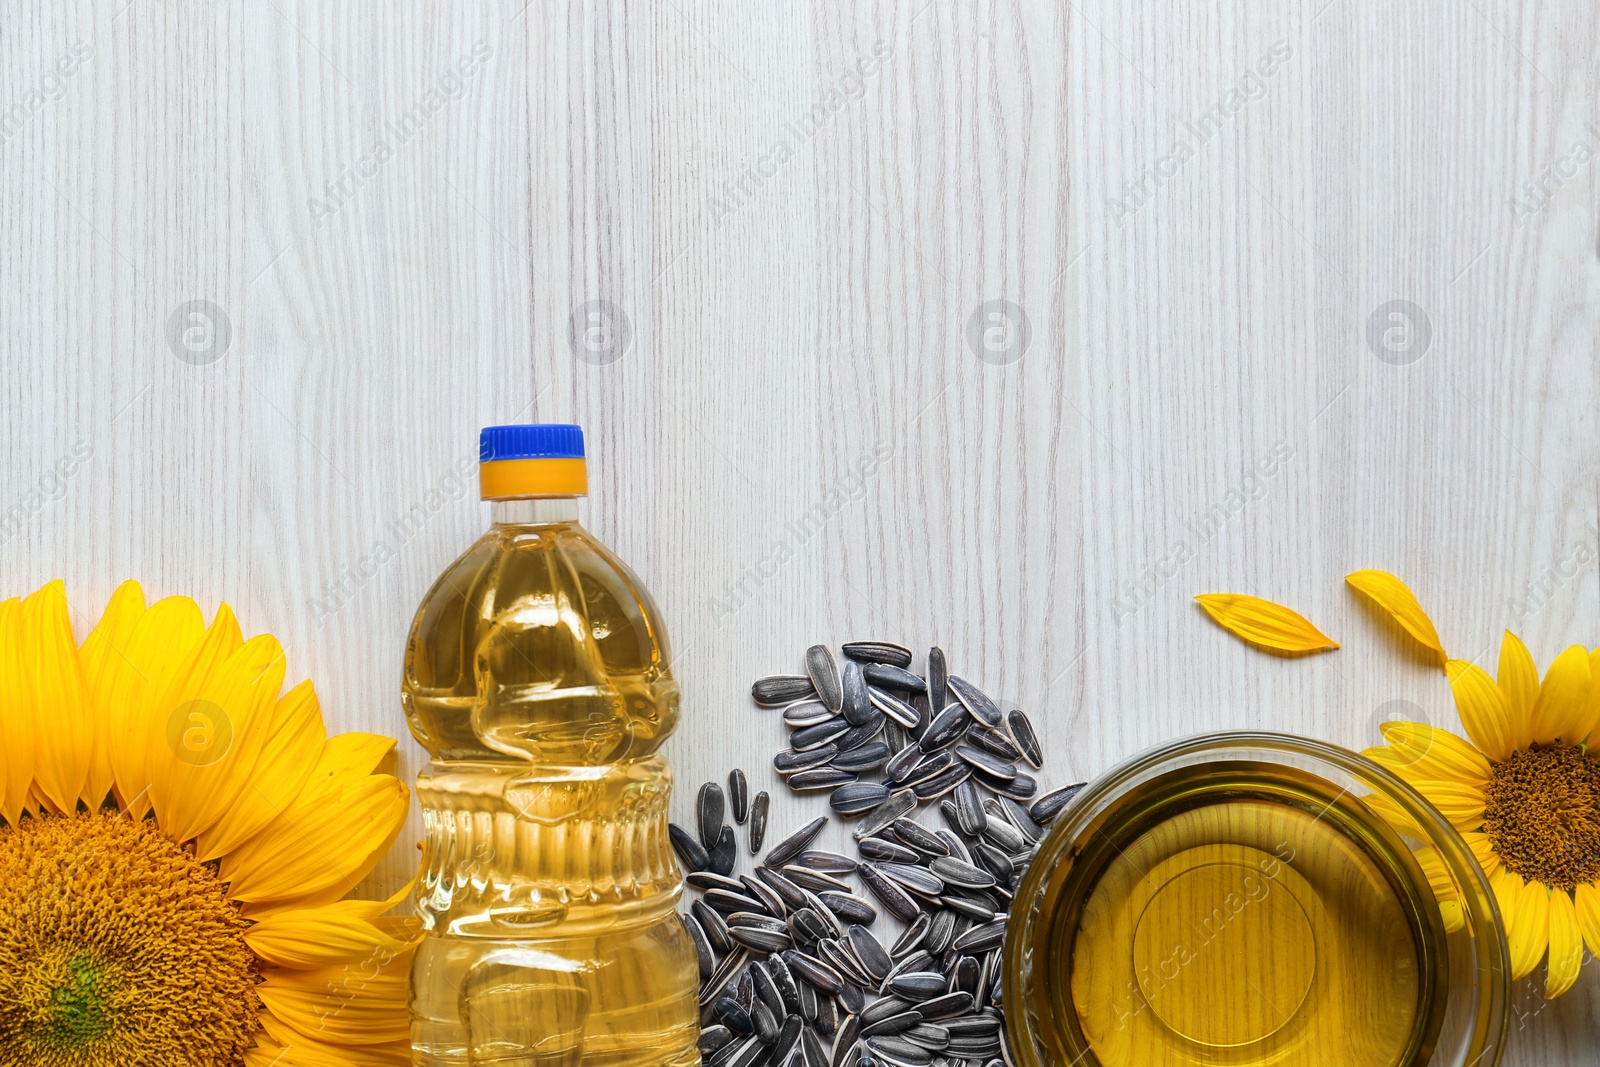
(536, 677)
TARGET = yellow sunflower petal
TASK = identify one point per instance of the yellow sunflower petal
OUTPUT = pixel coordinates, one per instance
(16, 722)
(1439, 877)
(1394, 815)
(1525, 910)
(1437, 754)
(362, 1003)
(211, 755)
(327, 841)
(1519, 681)
(1566, 945)
(1562, 709)
(1451, 915)
(101, 655)
(1391, 594)
(1482, 707)
(1586, 904)
(1458, 802)
(294, 741)
(334, 934)
(1483, 851)
(63, 734)
(1264, 623)
(162, 639)
(304, 1051)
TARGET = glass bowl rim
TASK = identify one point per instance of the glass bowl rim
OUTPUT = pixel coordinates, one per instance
(1480, 909)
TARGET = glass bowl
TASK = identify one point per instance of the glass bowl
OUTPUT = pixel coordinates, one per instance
(1455, 966)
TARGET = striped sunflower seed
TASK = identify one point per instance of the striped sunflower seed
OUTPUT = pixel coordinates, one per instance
(811, 1044)
(759, 809)
(911, 937)
(782, 689)
(877, 652)
(691, 853)
(728, 901)
(1027, 742)
(767, 990)
(866, 757)
(1046, 808)
(821, 976)
(704, 958)
(772, 902)
(899, 803)
(993, 740)
(869, 951)
(844, 1043)
(716, 930)
(704, 880)
(783, 978)
(901, 763)
(892, 1024)
(930, 1036)
(788, 1039)
(708, 811)
(816, 881)
(1018, 816)
(857, 798)
(948, 1006)
(970, 817)
(881, 848)
(766, 1023)
(899, 711)
(898, 1052)
(857, 703)
(959, 873)
(946, 727)
(796, 843)
(819, 778)
(714, 1037)
(853, 999)
(807, 927)
(895, 900)
(824, 675)
(987, 762)
(976, 701)
(791, 760)
(793, 896)
(809, 737)
(943, 782)
(807, 713)
(723, 854)
(918, 986)
(849, 908)
(917, 879)
(884, 1008)
(919, 837)
(941, 931)
(1004, 836)
(730, 1013)
(739, 795)
(994, 861)
(857, 736)
(888, 676)
(938, 680)
(981, 938)
(826, 862)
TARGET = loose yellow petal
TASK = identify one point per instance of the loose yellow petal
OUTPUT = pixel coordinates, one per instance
(1566, 945)
(1519, 681)
(161, 639)
(1264, 623)
(1482, 707)
(1391, 594)
(1460, 803)
(103, 655)
(294, 742)
(1525, 910)
(1586, 903)
(1437, 754)
(1562, 709)
(63, 733)
(16, 721)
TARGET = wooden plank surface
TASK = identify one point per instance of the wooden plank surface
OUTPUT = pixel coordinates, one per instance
(1004, 326)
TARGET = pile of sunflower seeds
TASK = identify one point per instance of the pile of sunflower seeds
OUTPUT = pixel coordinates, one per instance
(788, 964)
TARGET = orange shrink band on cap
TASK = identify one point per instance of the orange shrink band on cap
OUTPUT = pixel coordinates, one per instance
(501, 479)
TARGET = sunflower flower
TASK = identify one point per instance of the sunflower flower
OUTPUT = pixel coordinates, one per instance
(176, 843)
(1523, 788)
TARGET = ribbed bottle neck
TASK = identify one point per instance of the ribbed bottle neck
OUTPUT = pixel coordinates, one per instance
(534, 510)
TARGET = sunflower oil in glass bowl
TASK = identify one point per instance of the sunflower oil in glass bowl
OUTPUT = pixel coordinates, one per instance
(536, 677)
(1226, 905)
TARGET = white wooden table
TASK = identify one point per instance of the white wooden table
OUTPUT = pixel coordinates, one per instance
(1059, 274)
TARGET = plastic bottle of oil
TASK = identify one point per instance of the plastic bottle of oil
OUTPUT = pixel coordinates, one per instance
(536, 677)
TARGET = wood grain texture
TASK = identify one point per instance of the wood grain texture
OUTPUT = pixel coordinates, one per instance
(795, 215)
